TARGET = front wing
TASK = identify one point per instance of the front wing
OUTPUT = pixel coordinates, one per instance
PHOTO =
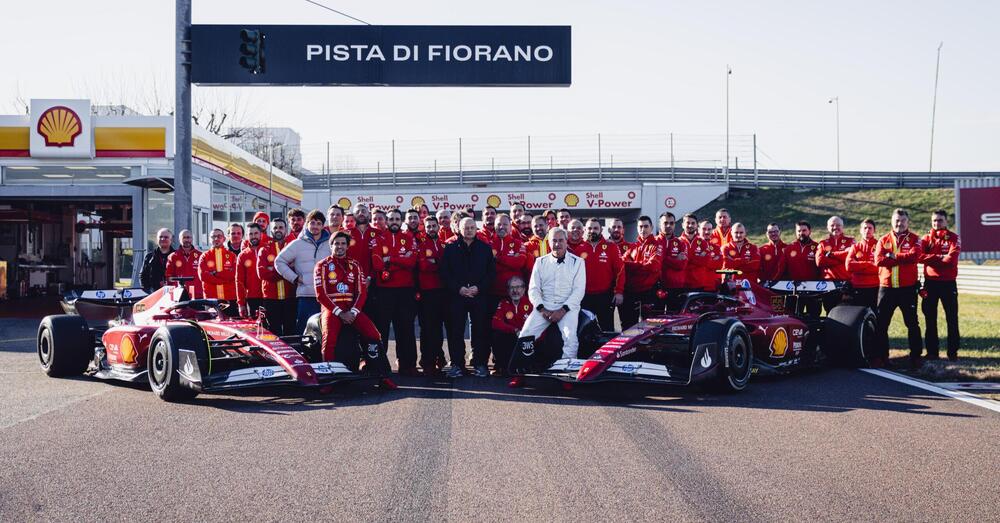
(326, 373)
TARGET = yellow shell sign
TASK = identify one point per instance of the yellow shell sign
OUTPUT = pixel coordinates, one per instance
(417, 201)
(128, 350)
(779, 343)
(59, 126)
(572, 200)
(493, 200)
(344, 203)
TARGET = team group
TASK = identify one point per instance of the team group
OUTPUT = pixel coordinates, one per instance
(376, 270)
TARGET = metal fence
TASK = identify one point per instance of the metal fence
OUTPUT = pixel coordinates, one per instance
(736, 178)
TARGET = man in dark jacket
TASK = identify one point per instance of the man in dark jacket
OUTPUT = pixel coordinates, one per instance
(154, 265)
(468, 269)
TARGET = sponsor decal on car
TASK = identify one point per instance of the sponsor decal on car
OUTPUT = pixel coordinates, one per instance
(779, 343)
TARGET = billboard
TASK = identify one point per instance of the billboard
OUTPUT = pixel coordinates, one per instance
(533, 201)
(977, 204)
(363, 55)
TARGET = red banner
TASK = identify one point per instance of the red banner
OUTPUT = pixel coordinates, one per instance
(979, 215)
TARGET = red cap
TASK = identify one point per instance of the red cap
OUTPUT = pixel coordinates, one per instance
(262, 214)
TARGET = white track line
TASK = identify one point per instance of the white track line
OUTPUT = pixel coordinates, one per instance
(954, 394)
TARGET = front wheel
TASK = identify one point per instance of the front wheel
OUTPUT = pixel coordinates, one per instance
(163, 362)
(849, 335)
(735, 353)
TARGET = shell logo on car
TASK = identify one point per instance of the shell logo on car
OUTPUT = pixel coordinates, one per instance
(127, 350)
(60, 126)
(779, 343)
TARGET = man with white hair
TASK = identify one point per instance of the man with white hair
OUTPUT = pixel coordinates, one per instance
(558, 283)
(154, 266)
(831, 257)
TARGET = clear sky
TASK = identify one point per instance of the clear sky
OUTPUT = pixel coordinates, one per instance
(639, 67)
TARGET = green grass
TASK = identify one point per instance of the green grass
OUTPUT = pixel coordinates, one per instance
(979, 354)
(757, 208)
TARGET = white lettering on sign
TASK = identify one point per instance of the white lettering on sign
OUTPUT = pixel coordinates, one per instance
(990, 219)
(434, 52)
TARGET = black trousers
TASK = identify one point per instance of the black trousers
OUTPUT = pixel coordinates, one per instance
(600, 304)
(947, 293)
(503, 347)
(632, 306)
(864, 297)
(477, 311)
(430, 310)
(904, 298)
(397, 307)
(281, 316)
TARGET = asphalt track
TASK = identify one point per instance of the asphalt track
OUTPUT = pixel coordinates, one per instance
(832, 445)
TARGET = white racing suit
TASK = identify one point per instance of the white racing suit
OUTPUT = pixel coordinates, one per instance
(554, 285)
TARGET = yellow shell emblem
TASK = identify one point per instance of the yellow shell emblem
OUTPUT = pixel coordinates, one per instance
(248, 263)
(59, 126)
(429, 252)
(128, 350)
(417, 201)
(509, 315)
(767, 257)
(179, 263)
(572, 200)
(270, 257)
(779, 343)
(344, 203)
(793, 254)
(583, 255)
(332, 275)
(493, 200)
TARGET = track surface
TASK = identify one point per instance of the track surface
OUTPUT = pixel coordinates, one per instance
(834, 445)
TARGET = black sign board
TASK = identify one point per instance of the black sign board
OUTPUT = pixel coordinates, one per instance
(380, 55)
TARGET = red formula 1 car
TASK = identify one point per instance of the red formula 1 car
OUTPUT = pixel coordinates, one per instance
(180, 346)
(719, 339)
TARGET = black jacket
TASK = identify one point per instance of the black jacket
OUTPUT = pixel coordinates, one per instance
(154, 267)
(463, 265)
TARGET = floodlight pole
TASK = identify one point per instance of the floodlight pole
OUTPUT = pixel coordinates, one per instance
(937, 70)
(182, 118)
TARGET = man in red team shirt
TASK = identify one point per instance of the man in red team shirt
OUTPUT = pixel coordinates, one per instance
(800, 263)
(249, 295)
(217, 272)
(511, 257)
(516, 212)
(689, 228)
(536, 246)
(487, 230)
(831, 258)
(444, 225)
(335, 219)
(860, 265)
(704, 258)
(605, 273)
(414, 224)
(349, 221)
(279, 295)
(296, 222)
(430, 307)
(508, 320)
(341, 294)
(524, 226)
(723, 233)
(741, 255)
(675, 260)
(379, 220)
(896, 256)
(550, 219)
(941, 249)
(616, 234)
(643, 264)
(394, 261)
(183, 263)
(772, 255)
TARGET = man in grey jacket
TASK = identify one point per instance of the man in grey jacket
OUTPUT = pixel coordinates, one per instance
(297, 262)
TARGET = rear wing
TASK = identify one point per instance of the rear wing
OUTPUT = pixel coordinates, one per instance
(100, 306)
(113, 295)
(804, 287)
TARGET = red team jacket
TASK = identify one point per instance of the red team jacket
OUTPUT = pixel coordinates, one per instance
(361, 248)
(247, 281)
(272, 285)
(512, 260)
(861, 264)
(180, 265)
(643, 264)
(900, 270)
(704, 258)
(722, 237)
(800, 261)
(772, 261)
(222, 284)
(339, 284)
(509, 317)
(941, 250)
(401, 250)
(744, 257)
(831, 258)
(604, 265)
(536, 248)
(674, 273)
(428, 262)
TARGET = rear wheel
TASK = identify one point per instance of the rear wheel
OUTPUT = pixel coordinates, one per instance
(164, 360)
(65, 345)
(849, 335)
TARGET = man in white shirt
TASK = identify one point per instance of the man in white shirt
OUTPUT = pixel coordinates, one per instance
(558, 283)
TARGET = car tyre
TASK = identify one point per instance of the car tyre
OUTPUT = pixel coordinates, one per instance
(65, 345)
(735, 366)
(164, 357)
(849, 335)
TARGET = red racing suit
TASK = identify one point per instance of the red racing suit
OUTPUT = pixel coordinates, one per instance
(272, 285)
(901, 269)
(831, 257)
(340, 287)
(217, 272)
(181, 265)
(941, 250)
(772, 261)
(861, 264)
(511, 260)
(800, 261)
(604, 266)
(743, 257)
(674, 272)
(704, 258)
(643, 264)
(247, 281)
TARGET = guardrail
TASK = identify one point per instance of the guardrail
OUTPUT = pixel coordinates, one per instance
(978, 279)
(736, 178)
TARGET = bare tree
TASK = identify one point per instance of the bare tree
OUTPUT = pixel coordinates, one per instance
(261, 142)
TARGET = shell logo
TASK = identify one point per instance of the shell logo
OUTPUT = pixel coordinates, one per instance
(779, 343)
(248, 263)
(509, 315)
(572, 200)
(417, 201)
(127, 350)
(493, 200)
(344, 203)
(60, 126)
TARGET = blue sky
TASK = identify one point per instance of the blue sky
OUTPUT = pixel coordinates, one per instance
(638, 68)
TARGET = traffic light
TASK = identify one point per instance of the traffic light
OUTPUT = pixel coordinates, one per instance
(252, 50)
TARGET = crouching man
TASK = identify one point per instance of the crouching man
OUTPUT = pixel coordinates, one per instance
(558, 283)
(508, 320)
(341, 291)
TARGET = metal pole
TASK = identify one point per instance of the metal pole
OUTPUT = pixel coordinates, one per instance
(600, 171)
(529, 156)
(729, 73)
(836, 101)
(756, 184)
(937, 69)
(673, 174)
(394, 162)
(270, 171)
(329, 177)
(182, 117)
(461, 171)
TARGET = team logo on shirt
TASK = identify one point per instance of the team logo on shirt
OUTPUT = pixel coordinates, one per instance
(342, 287)
(732, 252)
(270, 257)
(604, 246)
(331, 275)
(429, 253)
(526, 308)
(247, 263)
(179, 263)
(210, 264)
(385, 250)
(767, 257)
(793, 254)
(509, 315)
